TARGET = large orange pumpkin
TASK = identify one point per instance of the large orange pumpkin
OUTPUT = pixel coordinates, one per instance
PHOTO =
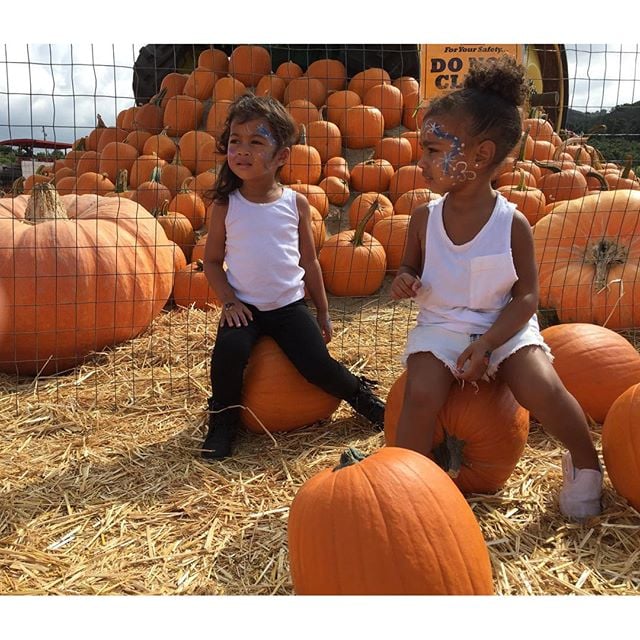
(621, 445)
(596, 364)
(480, 434)
(391, 523)
(270, 383)
(82, 272)
(588, 257)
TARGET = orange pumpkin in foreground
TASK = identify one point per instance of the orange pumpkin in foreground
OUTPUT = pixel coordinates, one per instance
(621, 445)
(596, 364)
(392, 523)
(82, 272)
(270, 382)
(480, 435)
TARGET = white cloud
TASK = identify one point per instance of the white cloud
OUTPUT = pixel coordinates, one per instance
(602, 76)
(62, 88)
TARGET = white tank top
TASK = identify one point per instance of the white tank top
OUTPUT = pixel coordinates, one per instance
(262, 250)
(464, 287)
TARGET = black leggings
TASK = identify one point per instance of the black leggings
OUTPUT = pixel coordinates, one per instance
(297, 333)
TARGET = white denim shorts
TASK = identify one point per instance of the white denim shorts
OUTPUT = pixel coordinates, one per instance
(447, 345)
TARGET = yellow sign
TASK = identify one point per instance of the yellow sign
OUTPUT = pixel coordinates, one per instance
(444, 66)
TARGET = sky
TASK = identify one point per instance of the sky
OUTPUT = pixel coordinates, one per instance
(55, 90)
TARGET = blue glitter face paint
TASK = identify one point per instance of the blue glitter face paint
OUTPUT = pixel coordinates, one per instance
(263, 131)
(448, 158)
(452, 162)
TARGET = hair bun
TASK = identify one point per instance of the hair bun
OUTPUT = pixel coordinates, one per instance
(502, 76)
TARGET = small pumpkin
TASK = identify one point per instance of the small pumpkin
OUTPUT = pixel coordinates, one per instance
(353, 262)
(191, 288)
(303, 164)
(363, 126)
(391, 233)
(362, 205)
(248, 63)
(373, 174)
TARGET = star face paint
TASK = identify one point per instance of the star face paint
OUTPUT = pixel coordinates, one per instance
(443, 155)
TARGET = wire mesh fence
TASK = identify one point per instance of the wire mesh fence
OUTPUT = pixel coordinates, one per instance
(139, 125)
(108, 156)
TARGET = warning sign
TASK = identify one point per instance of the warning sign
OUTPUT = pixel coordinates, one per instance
(444, 66)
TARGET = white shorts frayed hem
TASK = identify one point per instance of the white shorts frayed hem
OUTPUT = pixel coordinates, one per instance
(447, 345)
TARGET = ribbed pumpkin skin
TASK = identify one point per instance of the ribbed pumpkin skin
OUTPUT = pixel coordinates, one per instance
(493, 426)
(280, 397)
(392, 524)
(79, 285)
(621, 445)
(564, 242)
(350, 270)
(594, 363)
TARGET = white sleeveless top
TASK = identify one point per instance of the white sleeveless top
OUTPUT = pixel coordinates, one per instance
(262, 250)
(464, 287)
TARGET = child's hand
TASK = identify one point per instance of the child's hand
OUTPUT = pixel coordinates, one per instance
(473, 362)
(235, 314)
(405, 285)
(326, 327)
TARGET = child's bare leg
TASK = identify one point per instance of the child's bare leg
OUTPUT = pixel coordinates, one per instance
(426, 391)
(537, 387)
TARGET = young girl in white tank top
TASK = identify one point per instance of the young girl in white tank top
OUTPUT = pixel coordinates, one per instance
(259, 256)
(469, 264)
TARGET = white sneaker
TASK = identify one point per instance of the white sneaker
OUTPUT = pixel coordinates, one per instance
(581, 490)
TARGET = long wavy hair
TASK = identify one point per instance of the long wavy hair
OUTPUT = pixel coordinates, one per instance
(250, 107)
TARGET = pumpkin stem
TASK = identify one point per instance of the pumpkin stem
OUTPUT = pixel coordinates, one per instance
(358, 236)
(628, 162)
(604, 185)
(523, 144)
(100, 124)
(603, 255)
(521, 182)
(449, 454)
(199, 265)
(349, 457)
(44, 204)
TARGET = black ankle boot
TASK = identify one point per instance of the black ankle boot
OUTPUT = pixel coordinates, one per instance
(223, 426)
(367, 403)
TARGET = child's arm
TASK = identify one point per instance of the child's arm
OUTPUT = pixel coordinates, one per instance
(407, 281)
(516, 314)
(313, 273)
(234, 312)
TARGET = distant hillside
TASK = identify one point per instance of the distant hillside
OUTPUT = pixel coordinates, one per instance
(622, 136)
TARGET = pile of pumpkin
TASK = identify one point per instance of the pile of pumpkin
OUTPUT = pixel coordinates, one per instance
(165, 150)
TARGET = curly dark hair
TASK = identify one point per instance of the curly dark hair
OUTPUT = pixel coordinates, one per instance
(250, 107)
(488, 100)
